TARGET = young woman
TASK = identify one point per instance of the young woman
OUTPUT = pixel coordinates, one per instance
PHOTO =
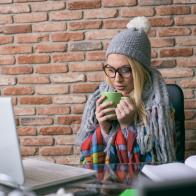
(142, 127)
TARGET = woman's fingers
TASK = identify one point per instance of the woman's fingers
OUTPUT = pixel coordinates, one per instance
(105, 112)
(108, 117)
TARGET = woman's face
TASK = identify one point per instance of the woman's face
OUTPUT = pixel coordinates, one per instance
(123, 80)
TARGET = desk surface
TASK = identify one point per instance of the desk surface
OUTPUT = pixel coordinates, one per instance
(111, 179)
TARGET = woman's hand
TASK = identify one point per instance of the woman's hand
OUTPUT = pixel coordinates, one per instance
(105, 114)
(125, 112)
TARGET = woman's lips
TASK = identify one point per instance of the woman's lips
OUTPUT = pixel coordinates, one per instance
(120, 87)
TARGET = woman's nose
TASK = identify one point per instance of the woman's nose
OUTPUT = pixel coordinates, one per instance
(118, 77)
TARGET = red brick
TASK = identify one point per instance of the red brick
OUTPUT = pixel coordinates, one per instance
(65, 15)
(28, 151)
(161, 22)
(18, 90)
(5, 1)
(37, 141)
(101, 13)
(96, 56)
(189, 115)
(184, 62)
(184, 1)
(96, 35)
(58, 37)
(188, 20)
(69, 99)
(186, 41)
(77, 108)
(36, 121)
(5, 20)
(13, 29)
(194, 9)
(22, 111)
(49, 27)
(7, 60)
(52, 68)
(95, 77)
(47, 6)
(137, 11)
(33, 38)
(157, 2)
(190, 104)
(50, 48)
(65, 140)
(83, 88)
(118, 3)
(160, 63)
(68, 120)
(174, 52)
(188, 94)
(115, 24)
(154, 53)
(75, 128)
(188, 83)
(7, 80)
(35, 100)
(33, 80)
(71, 159)
(85, 67)
(172, 10)
(85, 25)
(24, 1)
(14, 9)
(55, 130)
(31, 17)
(6, 39)
(26, 131)
(174, 31)
(56, 151)
(160, 43)
(77, 56)
(191, 125)
(14, 70)
(67, 78)
(177, 73)
(85, 4)
(85, 46)
(53, 110)
(16, 49)
(51, 90)
(37, 59)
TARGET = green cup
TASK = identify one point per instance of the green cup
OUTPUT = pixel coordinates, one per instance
(114, 97)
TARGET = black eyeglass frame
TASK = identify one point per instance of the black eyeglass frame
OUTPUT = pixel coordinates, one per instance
(117, 70)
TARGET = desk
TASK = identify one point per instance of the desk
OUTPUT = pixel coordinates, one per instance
(111, 179)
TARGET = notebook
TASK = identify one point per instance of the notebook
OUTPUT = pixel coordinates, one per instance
(29, 173)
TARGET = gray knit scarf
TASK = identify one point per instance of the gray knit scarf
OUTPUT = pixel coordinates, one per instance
(158, 133)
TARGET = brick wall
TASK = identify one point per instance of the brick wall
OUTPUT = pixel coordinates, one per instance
(51, 56)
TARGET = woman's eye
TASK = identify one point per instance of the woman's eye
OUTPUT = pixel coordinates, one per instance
(111, 70)
(125, 70)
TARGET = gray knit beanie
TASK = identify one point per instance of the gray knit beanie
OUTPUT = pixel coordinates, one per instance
(133, 42)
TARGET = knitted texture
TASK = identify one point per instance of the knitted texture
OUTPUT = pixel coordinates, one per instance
(159, 132)
(133, 43)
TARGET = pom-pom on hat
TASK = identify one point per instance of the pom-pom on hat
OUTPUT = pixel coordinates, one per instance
(133, 42)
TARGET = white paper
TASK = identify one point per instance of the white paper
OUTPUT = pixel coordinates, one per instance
(169, 171)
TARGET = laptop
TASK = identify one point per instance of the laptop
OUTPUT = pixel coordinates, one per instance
(30, 174)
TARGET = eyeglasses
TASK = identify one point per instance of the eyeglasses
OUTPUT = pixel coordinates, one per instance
(124, 71)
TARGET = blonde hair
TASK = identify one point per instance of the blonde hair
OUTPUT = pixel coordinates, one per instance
(140, 76)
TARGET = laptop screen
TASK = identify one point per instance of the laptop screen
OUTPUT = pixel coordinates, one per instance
(11, 169)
